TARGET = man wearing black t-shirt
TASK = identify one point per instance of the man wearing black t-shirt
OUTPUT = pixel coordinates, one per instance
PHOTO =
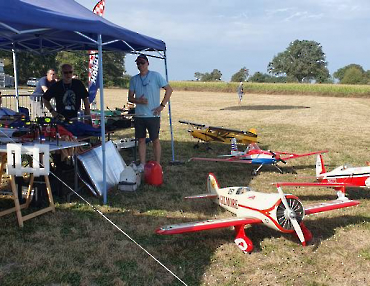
(68, 94)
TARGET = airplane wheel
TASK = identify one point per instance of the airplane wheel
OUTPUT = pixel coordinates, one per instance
(254, 173)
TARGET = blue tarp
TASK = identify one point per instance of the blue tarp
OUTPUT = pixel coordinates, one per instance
(52, 25)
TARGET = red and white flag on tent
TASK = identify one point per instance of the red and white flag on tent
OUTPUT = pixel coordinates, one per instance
(94, 59)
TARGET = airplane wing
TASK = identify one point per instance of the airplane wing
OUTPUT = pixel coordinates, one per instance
(343, 202)
(202, 196)
(294, 156)
(330, 205)
(231, 132)
(206, 225)
(230, 160)
(193, 123)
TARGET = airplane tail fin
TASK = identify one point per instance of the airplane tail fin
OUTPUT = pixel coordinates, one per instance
(320, 168)
(234, 146)
(212, 185)
(253, 130)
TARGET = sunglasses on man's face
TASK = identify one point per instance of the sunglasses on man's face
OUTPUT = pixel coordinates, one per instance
(67, 72)
(140, 63)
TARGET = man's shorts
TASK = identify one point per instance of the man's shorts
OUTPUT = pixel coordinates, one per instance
(152, 124)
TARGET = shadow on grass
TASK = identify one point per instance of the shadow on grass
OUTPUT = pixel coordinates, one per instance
(263, 107)
(75, 236)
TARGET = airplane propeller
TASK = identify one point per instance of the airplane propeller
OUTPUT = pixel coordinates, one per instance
(292, 216)
(277, 157)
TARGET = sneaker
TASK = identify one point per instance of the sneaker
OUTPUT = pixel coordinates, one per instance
(140, 168)
(133, 166)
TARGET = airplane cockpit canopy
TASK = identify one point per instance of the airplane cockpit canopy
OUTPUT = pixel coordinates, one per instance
(252, 146)
(242, 190)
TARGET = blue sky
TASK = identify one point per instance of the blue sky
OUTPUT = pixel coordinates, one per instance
(227, 35)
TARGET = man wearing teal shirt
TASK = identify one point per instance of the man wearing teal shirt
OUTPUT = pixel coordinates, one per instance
(144, 91)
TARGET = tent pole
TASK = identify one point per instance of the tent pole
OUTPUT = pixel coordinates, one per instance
(169, 110)
(15, 80)
(102, 117)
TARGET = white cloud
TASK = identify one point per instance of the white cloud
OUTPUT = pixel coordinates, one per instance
(222, 31)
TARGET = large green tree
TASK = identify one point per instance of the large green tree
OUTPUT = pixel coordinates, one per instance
(36, 65)
(113, 65)
(28, 64)
(302, 60)
(353, 75)
(215, 75)
(339, 74)
(241, 75)
(264, 77)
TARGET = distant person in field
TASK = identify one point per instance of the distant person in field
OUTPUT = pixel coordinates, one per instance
(41, 87)
(240, 92)
(144, 91)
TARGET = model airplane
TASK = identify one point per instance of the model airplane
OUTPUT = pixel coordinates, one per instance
(281, 212)
(207, 134)
(253, 154)
(347, 175)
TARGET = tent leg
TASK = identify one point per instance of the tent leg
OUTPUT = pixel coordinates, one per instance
(102, 119)
(15, 81)
(173, 162)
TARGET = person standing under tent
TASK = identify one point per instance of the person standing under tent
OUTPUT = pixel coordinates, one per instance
(68, 94)
(240, 92)
(144, 91)
(41, 87)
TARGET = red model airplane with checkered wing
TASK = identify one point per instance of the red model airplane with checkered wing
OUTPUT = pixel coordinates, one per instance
(278, 211)
(253, 154)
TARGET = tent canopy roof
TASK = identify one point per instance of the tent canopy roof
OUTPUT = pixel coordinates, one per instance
(54, 25)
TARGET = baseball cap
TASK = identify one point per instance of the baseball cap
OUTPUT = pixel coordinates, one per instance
(142, 56)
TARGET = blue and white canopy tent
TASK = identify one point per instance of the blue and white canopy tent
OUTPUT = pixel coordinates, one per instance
(45, 26)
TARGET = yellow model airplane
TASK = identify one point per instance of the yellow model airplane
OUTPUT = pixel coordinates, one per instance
(219, 134)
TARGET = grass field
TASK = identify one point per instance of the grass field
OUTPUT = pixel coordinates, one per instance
(75, 246)
(338, 90)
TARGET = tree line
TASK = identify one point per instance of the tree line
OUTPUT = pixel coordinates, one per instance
(302, 61)
(36, 65)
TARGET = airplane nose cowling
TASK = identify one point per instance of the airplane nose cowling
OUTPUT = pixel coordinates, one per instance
(367, 182)
(283, 215)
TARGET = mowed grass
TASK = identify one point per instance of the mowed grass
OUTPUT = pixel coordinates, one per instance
(338, 90)
(76, 246)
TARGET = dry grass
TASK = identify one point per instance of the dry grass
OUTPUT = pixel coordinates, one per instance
(75, 246)
(335, 90)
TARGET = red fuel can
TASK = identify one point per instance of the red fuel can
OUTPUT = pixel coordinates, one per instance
(153, 174)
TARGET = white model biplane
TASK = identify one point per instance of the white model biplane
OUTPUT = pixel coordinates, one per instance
(278, 211)
(207, 134)
(253, 154)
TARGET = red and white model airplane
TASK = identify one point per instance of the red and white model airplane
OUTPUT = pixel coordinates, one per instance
(253, 154)
(347, 175)
(275, 210)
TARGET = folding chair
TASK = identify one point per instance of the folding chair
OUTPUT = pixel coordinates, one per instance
(40, 167)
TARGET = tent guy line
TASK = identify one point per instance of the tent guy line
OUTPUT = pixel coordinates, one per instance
(106, 218)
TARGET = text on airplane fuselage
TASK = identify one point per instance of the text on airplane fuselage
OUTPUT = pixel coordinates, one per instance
(226, 201)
